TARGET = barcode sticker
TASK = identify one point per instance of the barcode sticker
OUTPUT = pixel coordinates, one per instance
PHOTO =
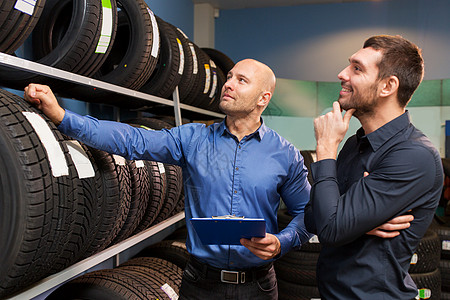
(162, 170)
(25, 6)
(169, 291)
(107, 26)
(155, 40)
(445, 245)
(119, 160)
(80, 159)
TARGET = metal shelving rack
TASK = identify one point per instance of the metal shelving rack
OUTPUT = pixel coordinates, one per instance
(126, 249)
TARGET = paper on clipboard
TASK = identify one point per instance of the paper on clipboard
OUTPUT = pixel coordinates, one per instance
(228, 230)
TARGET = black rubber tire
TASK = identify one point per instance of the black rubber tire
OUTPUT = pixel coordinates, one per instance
(443, 232)
(66, 37)
(298, 267)
(291, 291)
(214, 104)
(187, 97)
(313, 245)
(117, 193)
(203, 83)
(158, 265)
(140, 188)
(446, 166)
(308, 159)
(208, 101)
(188, 77)
(170, 66)
(39, 206)
(106, 285)
(202, 99)
(222, 61)
(173, 189)
(170, 250)
(426, 258)
(179, 234)
(68, 195)
(15, 25)
(156, 196)
(89, 211)
(26, 181)
(157, 282)
(150, 123)
(444, 267)
(429, 281)
(131, 63)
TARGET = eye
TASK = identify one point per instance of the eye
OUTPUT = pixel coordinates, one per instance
(357, 68)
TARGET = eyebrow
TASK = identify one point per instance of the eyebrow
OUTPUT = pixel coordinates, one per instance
(239, 75)
(356, 61)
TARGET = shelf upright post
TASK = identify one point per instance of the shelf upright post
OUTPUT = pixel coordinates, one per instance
(176, 106)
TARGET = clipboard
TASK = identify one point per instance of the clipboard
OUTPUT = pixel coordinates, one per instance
(227, 230)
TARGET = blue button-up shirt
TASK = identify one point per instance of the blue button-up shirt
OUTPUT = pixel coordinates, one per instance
(222, 176)
(405, 173)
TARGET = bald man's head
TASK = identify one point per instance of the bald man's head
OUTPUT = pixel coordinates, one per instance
(263, 73)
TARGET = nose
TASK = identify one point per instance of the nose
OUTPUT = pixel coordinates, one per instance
(228, 83)
(343, 75)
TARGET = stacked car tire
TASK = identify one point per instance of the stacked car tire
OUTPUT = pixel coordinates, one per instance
(63, 201)
(151, 55)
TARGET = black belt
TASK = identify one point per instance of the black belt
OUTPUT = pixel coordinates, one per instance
(230, 276)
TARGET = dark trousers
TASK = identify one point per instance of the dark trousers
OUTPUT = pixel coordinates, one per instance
(201, 281)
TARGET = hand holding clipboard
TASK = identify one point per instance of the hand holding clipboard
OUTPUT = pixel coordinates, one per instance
(228, 230)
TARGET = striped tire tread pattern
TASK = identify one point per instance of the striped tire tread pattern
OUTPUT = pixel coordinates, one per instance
(65, 193)
(298, 267)
(170, 250)
(21, 29)
(140, 184)
(174, 184)
(105, 285)
(157, 193)
(27, 225)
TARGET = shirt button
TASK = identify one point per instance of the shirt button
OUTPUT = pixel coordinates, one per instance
(237, 168)
(239, 146)
(235, 191)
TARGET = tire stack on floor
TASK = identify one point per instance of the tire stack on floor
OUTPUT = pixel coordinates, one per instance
(62, 201)
(153, 56)
(442, 227)
(296, 271)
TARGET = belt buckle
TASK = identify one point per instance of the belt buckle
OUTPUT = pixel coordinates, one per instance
(232, 276)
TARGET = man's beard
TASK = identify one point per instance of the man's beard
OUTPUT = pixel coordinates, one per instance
(363, 104)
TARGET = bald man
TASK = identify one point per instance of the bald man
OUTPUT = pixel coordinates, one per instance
(235, 167)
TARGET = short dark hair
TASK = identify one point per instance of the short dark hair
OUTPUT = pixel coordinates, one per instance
(400, 58)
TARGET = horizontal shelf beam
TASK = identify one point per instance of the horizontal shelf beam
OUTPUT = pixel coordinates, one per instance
(73, 271)
(30, 66)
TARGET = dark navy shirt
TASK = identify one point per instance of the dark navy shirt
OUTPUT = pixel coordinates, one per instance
(222, 176)
(405, 173)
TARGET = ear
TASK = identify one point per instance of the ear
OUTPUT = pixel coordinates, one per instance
(389, 86)
(265, 98)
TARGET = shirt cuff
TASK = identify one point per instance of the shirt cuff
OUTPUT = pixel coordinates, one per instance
(323, 169)
(71, 123)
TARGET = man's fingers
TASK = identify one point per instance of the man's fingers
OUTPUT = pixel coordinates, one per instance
(336, 107)
(402, 219)
(348, 115)
(384, 234)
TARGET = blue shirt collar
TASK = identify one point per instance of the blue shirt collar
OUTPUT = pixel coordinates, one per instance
(385, 132)
(258, 134)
